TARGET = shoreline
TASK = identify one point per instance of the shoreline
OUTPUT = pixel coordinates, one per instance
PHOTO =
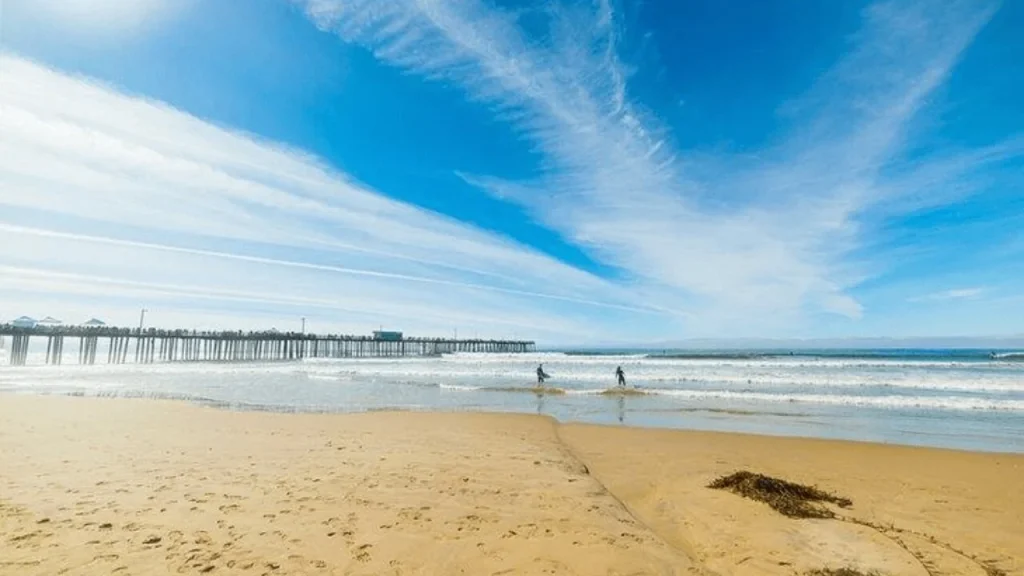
(156, 486)
(244, 407)
(934, 403)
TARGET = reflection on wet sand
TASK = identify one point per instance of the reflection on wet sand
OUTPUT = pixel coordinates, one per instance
(540, 402)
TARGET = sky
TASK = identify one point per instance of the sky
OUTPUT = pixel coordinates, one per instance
(568, 171)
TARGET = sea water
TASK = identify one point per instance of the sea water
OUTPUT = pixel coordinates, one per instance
(953, 399)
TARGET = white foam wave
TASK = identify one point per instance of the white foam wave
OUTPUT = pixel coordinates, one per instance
(893, 402)
(888, 401)
(925, 381)
(857, 382)
(461, 388)
(328, 377)
(584, 391)
(979, 377)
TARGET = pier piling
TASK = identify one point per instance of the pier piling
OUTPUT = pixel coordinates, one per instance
(152, 345)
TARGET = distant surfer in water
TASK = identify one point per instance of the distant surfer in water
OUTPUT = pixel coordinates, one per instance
(621, 377)
(541, 375)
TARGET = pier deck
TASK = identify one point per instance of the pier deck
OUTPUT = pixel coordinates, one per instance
(147, 346)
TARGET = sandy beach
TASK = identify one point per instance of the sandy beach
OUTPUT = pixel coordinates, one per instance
(101, 486)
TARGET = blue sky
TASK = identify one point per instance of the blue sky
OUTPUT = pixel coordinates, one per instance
(571, 171)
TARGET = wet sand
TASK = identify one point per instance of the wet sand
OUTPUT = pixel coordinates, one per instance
(96, 486)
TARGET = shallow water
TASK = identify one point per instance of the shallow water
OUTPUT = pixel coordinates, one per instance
(947, 399)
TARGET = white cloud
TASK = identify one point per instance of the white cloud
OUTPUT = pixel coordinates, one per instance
(99, 17)
(113, 201)
(734, 245)
(119, 202)
(952, 294)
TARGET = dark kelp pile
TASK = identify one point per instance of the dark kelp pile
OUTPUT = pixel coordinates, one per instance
(787, 498)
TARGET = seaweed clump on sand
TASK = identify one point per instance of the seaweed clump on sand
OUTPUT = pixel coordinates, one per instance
(991, 570)
(840, 572)
(787, 498)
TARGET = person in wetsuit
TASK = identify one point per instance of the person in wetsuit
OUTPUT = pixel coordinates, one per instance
(620, 376)
(541, 376)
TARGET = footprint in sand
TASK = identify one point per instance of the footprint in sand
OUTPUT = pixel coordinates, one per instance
(362, 552)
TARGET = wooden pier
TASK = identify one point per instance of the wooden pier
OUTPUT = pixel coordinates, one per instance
(132, 345)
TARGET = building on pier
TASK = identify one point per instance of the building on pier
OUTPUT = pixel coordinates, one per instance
(24, 322)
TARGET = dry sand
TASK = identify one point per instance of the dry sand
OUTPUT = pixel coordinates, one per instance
(142, 487)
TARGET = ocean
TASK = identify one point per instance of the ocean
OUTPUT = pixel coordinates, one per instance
(962, 399)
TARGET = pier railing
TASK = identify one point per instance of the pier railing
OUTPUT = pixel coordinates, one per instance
(147, 346)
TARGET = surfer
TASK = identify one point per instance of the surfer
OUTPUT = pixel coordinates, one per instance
(541, 375)
(621, 377)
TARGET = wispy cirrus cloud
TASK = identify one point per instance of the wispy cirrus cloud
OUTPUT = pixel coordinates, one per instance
(120, 202)
(737, 244)
(952, 294)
